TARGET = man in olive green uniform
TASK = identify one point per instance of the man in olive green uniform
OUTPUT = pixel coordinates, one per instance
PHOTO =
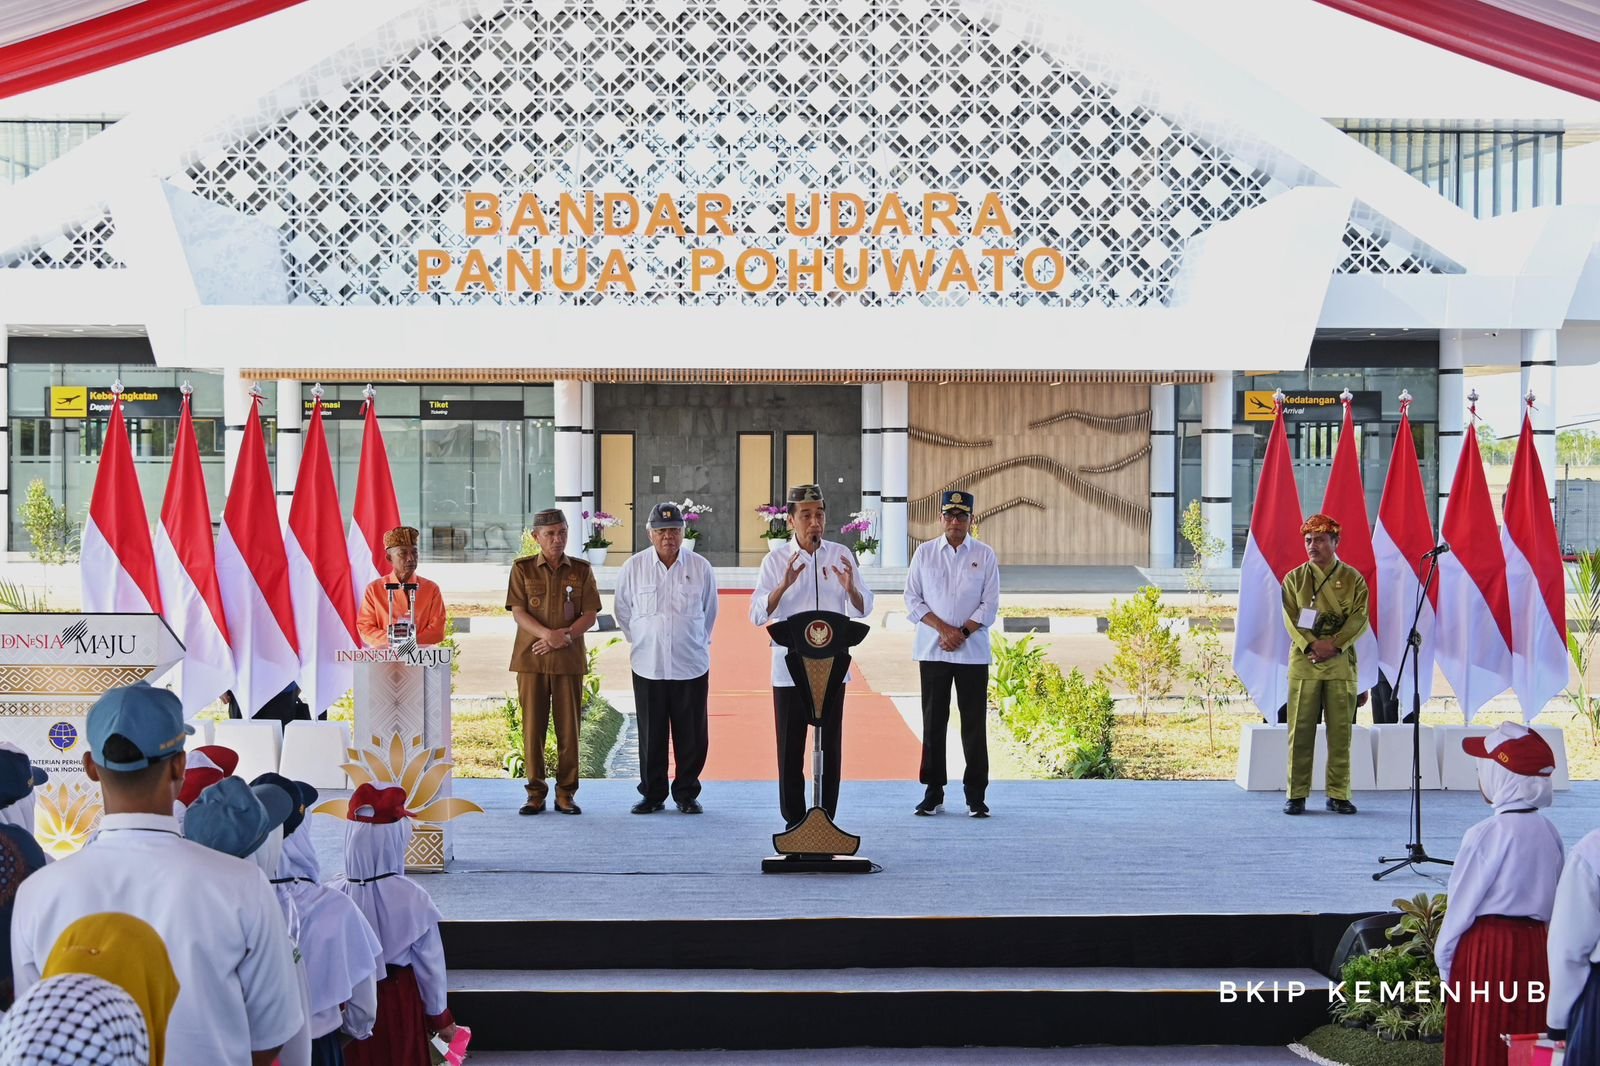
(554, 600)
(1325, 610)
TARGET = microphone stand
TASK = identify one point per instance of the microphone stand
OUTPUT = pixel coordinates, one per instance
(1415, 852)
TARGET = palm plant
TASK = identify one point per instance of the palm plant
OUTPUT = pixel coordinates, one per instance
(1583, 628)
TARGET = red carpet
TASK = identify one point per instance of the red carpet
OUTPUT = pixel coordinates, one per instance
(877, 744)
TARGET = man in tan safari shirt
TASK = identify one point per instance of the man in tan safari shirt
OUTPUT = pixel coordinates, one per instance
(554, 599)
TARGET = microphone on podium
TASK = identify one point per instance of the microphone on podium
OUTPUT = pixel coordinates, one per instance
(1442, 549)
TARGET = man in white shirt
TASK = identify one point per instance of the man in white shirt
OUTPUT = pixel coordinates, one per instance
(666, 604)
(811, 575)
(239, 997)
(953, 597)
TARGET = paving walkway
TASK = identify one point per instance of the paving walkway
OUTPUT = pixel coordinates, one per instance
(878, 744)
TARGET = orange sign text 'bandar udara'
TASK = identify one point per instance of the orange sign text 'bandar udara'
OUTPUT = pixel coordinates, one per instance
(893, 259)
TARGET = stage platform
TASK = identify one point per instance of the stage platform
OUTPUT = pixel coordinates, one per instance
(1074, 916)
(1051, 848)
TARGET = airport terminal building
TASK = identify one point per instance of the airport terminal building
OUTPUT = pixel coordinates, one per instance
(1054, 253)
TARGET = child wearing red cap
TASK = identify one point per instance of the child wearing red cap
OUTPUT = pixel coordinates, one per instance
(412, 997)
(1502, 891)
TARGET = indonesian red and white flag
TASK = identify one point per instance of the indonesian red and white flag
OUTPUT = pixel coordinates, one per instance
(1403, 537)
(1274, 547)
(186, 563)
(253, 572)
(1345, 501)
(376, 511)
(1474, 623)
(319, 575)
(117, 561)
(1536, 583)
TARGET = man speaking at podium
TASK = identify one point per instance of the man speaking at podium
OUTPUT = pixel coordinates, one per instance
(812, 575)
(427, 602)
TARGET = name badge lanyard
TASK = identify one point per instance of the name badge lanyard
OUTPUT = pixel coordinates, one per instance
(1317, 591)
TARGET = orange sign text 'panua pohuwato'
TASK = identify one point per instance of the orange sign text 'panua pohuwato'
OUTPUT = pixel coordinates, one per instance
(878, 244)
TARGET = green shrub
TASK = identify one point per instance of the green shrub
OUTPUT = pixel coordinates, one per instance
(1015, 662)
(50, 529)
(1407, 962)
(1065, 720)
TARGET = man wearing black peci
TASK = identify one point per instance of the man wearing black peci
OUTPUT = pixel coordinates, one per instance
(810, 575)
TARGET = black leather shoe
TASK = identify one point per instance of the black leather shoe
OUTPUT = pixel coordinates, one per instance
(1295, 806)
(691, 807)
(932, 803)
(531, 808)
(571, 808)
(1341, 806)
(644, 807)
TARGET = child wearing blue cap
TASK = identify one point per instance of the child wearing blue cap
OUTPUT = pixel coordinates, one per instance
(239, 1000)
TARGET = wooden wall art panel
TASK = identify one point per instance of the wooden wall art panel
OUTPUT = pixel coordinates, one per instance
(1061, 474)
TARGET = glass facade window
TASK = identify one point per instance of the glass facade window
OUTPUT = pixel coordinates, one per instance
(1488, 169)
(64, 453)
(1312, 444)
(470, 462)
(25, 146)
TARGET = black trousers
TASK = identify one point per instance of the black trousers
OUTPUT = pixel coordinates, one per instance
(677, 708)
(971, 682)
(793, 722)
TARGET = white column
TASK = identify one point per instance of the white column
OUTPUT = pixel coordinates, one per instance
(588, 446)
(1452, 411)
(1216, 462)
(235, 413)
(569, 459)
(1163, 475)
(1539, 376)
(290, 442)
(872, 450)
(5, 444)
(896, 472)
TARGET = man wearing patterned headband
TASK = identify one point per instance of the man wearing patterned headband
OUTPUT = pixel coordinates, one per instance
(1325, 610)
(427, 608)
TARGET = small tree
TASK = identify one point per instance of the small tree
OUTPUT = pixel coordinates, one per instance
(49, 526)
(1209, 670)
(1149, 655)
(1583, 628)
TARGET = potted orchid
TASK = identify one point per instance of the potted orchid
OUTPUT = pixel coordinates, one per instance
(691, 519)
(595, 548)
(777, 533)
(866, 543)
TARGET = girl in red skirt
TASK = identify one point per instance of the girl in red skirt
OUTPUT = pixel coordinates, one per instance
(411, 998)
(1501, 893)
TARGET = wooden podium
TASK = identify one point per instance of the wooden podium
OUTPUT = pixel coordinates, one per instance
(402, 725)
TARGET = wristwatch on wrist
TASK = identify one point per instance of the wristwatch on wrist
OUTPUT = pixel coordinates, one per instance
(967, 630)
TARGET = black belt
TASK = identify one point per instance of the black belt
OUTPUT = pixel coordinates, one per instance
(369, 880)
(288, 880)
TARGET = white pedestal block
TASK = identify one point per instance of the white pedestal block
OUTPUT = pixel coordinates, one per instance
(1457, 769)
(313, 752)
(1391, 753)
(204, 731)
(1264, 759)
(258, 743)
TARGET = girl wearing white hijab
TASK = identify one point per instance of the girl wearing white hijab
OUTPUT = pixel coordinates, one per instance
(1502, 891)
(412, 997)
(1574, 1011)
(343, 957)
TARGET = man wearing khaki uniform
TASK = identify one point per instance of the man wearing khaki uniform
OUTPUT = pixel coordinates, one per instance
(1325, 610)
(554, 600)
